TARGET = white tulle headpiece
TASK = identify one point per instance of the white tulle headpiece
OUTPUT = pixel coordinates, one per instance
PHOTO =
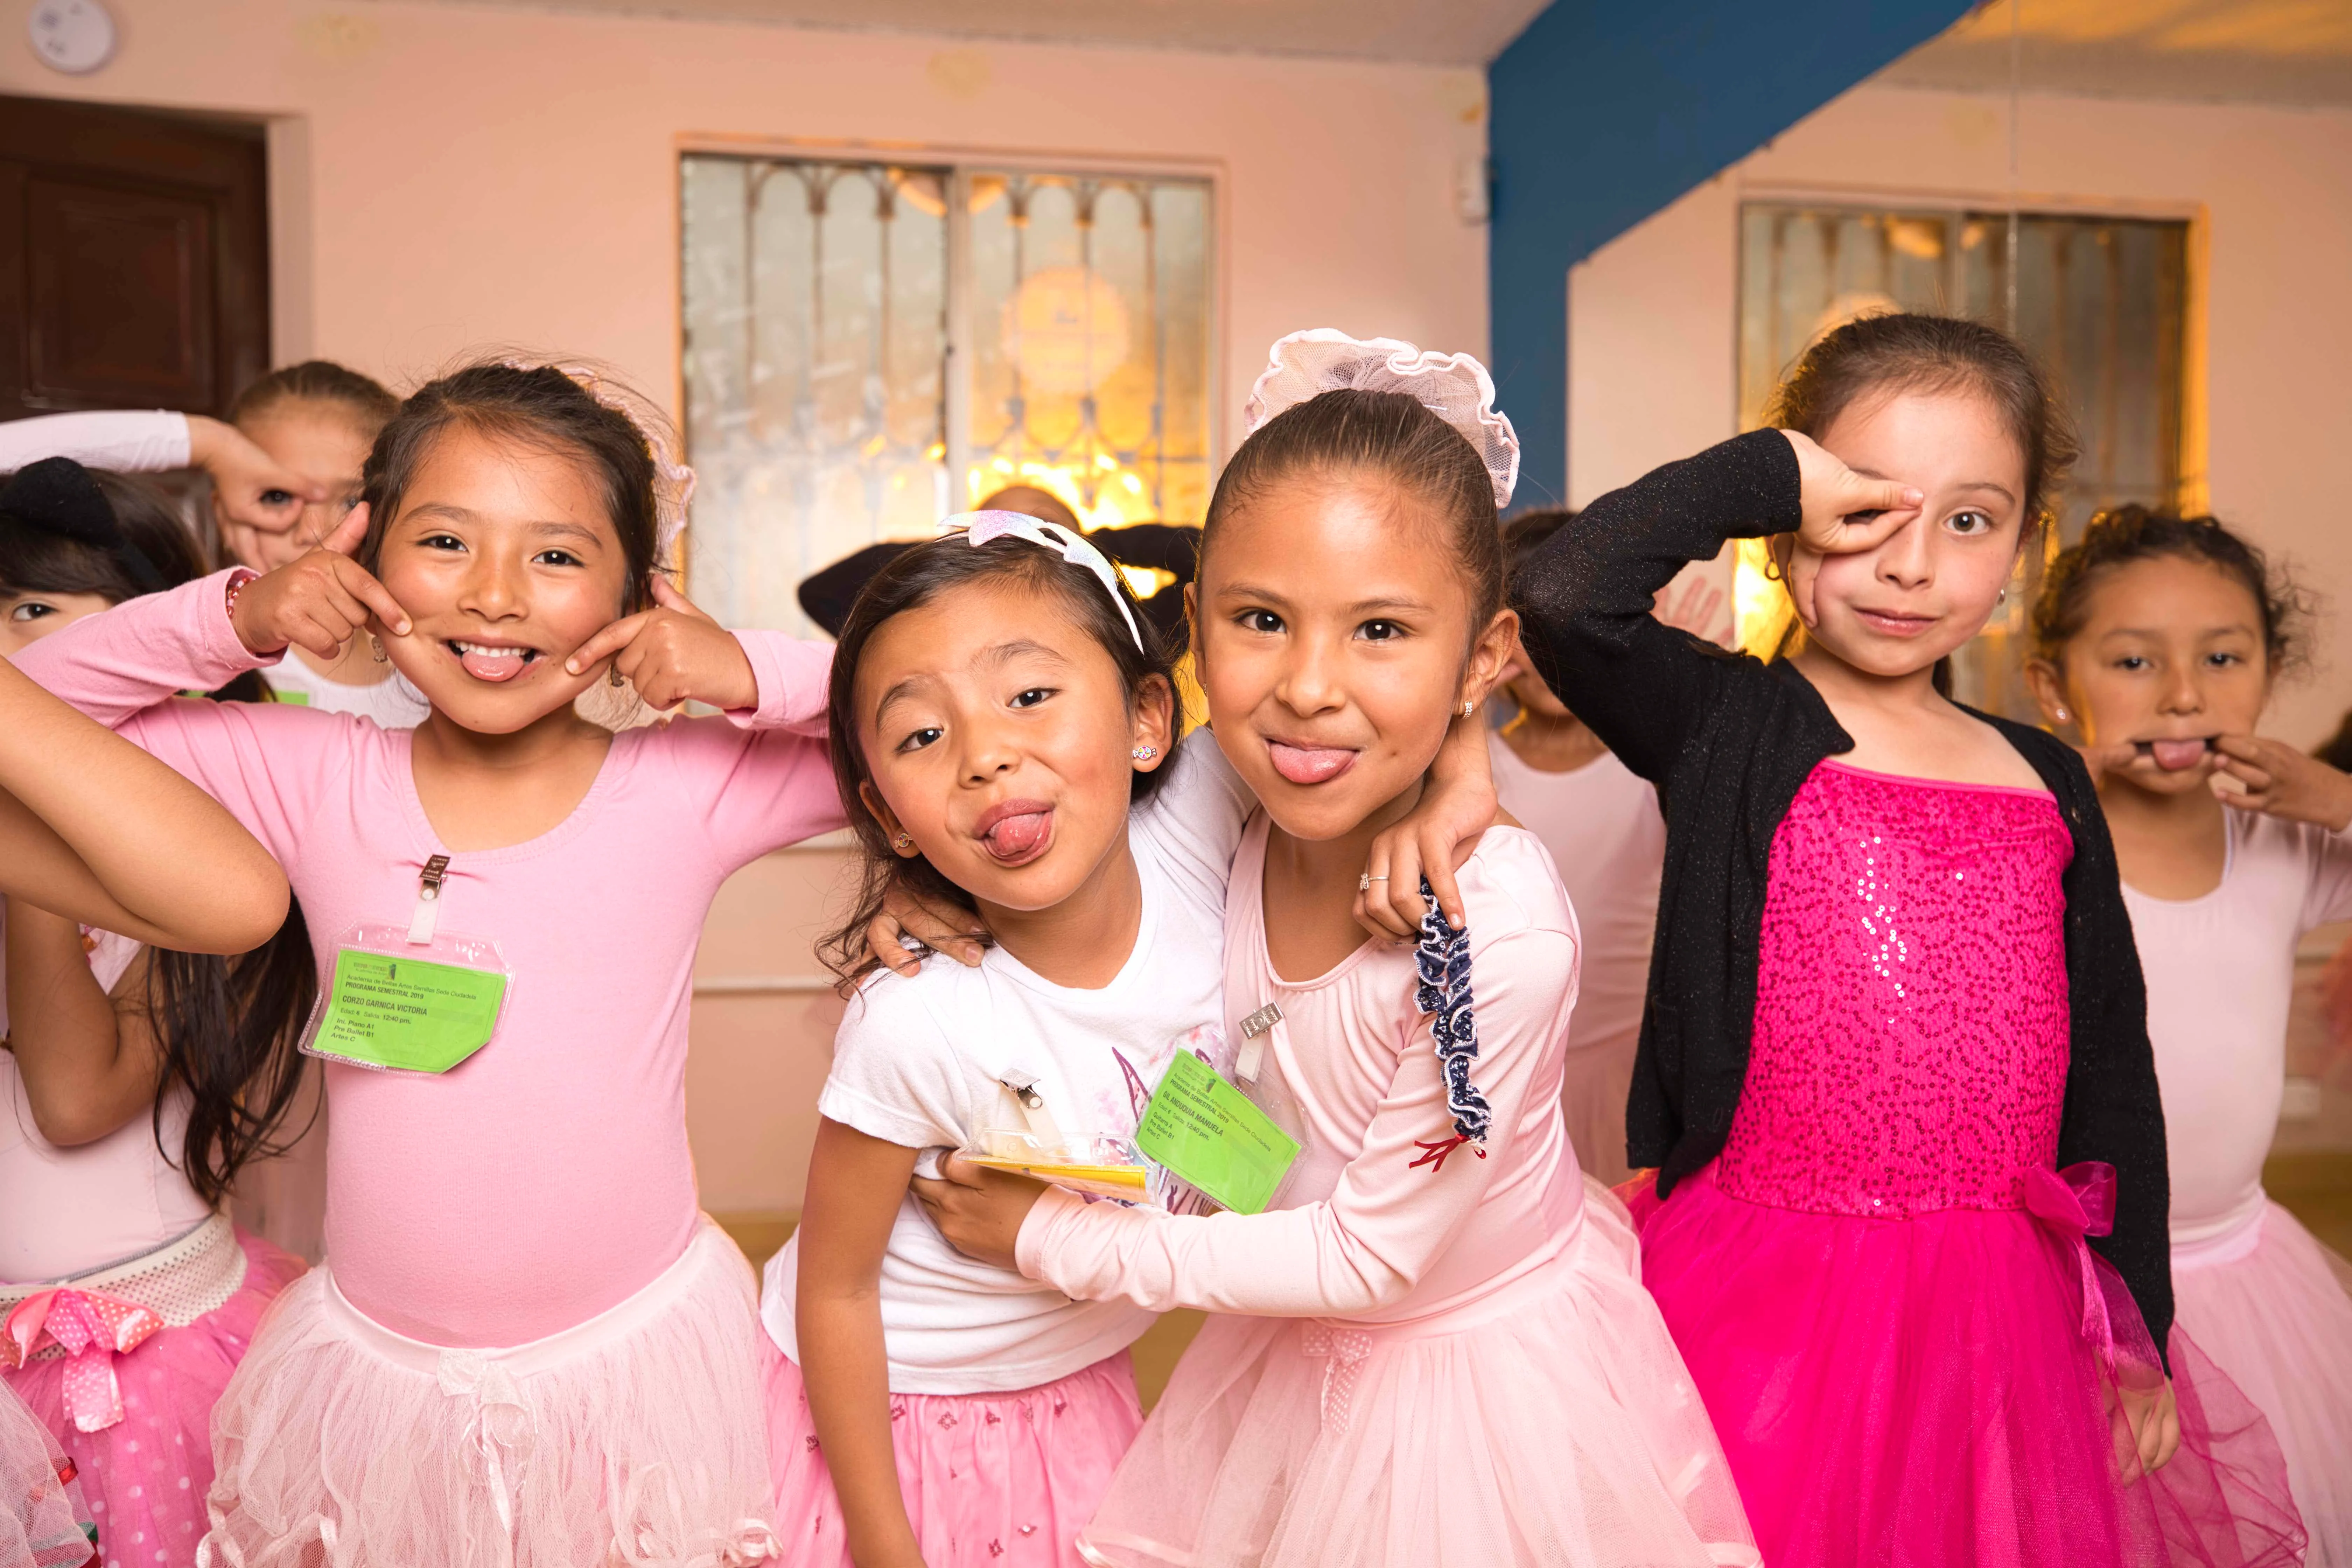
(1454, 387)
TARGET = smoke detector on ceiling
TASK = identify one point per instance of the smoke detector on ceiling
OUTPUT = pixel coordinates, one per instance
(75, 36)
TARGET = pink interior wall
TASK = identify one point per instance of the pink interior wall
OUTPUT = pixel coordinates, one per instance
(1653, 316)
(446, 177)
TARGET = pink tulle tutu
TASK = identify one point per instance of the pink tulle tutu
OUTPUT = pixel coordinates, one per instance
(1930, 1391)
(988, 1479)
(634, 1438)
(2276, 1317)
(42, 1519)
(1549, 1425)
(145, 1475)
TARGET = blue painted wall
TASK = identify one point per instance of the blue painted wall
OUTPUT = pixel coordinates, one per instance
(1604, 113)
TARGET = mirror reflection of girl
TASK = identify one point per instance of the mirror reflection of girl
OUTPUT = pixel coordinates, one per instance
(2159, 639)
(1895, 1070)
(1434, 1350)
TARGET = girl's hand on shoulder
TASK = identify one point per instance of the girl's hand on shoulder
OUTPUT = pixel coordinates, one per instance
(978, 1211)
(942, 927)
(2281, 781)
(1441, 833)
(320, 601)
(674, 653)
(1843, 512)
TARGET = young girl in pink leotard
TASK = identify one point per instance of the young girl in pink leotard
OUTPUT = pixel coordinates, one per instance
(100, 834)
(1908, 1225)
(1434, 1350)
(528, 1346)
(2158, 640)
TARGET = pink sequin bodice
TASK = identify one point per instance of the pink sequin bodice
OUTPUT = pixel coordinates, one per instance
(1909, 1051)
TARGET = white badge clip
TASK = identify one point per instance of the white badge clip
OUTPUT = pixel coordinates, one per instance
(1022, 1088)
(1255, 1029)
(428, 901)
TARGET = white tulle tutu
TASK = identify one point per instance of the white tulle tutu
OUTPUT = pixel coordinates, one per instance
(42, 1519)
(637, 1437)
(2276, 1316)
(1551, 1426)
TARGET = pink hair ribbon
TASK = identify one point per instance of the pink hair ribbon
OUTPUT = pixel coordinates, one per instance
(92, 1328)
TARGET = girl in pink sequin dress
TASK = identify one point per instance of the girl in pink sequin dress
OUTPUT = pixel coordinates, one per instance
(1908, 1224)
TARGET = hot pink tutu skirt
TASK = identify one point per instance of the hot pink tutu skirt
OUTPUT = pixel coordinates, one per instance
(1548, 1424)
(2275, 1315)
(1930, 1391)
(988, 1479)
(145, 1475)
(42, 1517)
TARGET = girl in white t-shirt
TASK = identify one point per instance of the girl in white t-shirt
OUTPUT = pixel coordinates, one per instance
(1004, 736)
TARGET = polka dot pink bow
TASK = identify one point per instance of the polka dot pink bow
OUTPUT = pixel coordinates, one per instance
(92, 1329)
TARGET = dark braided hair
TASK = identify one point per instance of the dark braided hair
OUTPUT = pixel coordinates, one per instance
(2127, 533)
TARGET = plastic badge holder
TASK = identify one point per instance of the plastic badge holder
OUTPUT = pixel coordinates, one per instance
(410, 999)
(1097, 1164)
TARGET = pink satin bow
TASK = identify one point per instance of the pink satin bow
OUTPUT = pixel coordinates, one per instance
(2076, 1203)
(92, 1329)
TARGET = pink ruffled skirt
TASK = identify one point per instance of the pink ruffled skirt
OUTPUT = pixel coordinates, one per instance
(1931, 1391)
(1548, 1424)
(42, 1519)
(145, 1474)
(634, 1438)
(2273, 1311)
(988, 1479)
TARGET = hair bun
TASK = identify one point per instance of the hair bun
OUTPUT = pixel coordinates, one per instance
(1454, 387)
(57, 496)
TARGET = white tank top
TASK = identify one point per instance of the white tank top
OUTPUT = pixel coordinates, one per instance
(65, 1212)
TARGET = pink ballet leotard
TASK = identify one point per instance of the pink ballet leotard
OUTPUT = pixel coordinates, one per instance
(1881, 1286)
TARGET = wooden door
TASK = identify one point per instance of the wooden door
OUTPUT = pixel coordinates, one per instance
(134, 259)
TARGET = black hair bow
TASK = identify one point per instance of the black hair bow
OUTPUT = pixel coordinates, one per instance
(57, 496)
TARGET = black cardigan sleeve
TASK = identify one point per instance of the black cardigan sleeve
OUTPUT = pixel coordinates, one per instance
(2114, 1111)
(1585, 598)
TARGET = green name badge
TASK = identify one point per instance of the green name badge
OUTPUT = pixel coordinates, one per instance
(1207, 1132)
(406, 1013)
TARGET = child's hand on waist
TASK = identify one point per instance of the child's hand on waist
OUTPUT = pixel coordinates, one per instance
(673, 653)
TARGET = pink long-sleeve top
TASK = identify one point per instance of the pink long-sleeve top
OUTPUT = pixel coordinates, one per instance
(1360, 1232)
(547, 1177)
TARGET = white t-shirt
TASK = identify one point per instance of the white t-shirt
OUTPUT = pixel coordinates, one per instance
(919, 1062)
(394, 704)
(1602, 824)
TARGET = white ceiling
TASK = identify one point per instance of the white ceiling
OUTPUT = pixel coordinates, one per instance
(2273, 51)
(2291, 51)
(1427, 32)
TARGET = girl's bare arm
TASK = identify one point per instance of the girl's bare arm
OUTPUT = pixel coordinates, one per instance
(90, 1061)
(854, 1187)
(94, 829)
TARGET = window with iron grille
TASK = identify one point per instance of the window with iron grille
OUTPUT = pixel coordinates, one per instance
(870, 347)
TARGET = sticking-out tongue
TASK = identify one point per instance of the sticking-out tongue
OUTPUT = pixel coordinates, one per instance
(1015, 837)
(2172, 756)
(484, 665)
(1310, 764)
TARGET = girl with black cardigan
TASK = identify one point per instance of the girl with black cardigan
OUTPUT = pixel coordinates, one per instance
(1860, 1233)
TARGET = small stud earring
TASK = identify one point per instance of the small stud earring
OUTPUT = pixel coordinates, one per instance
(376, 647)
(1144, 754)
(1468, 707)
(902, 843)
(2062, 713)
